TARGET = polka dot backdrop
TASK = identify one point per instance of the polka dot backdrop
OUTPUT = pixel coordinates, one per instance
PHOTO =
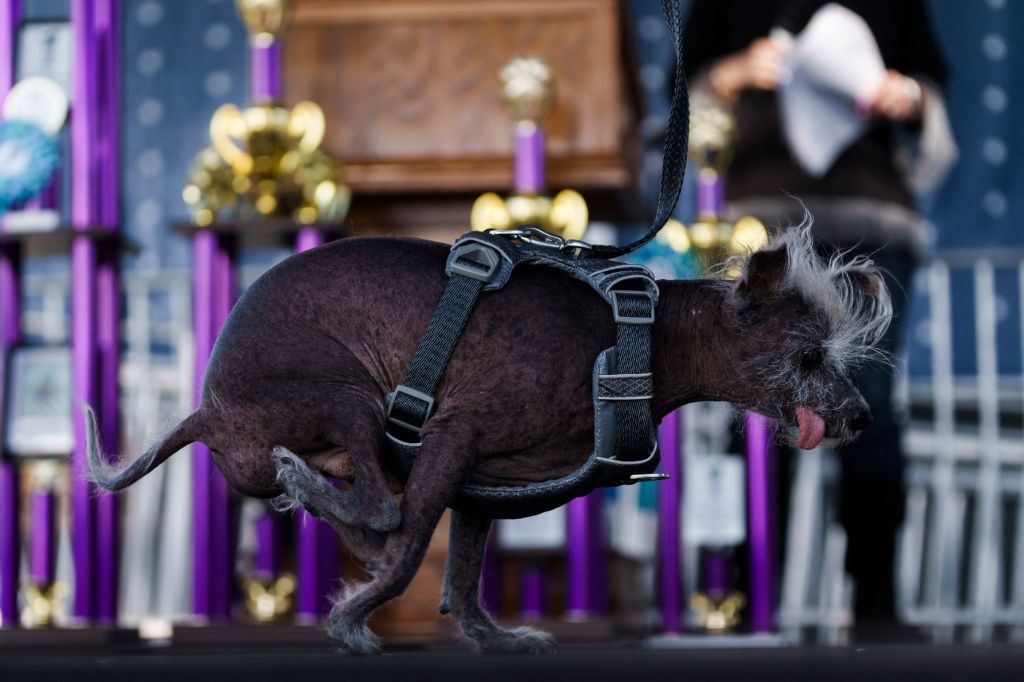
(182, 60)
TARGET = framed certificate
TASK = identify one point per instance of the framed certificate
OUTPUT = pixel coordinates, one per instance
(38, 420)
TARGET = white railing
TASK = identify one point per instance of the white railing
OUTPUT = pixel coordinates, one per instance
(961, 566)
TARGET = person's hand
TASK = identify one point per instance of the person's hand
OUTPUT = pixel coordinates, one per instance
(759, 66)
(898, 98)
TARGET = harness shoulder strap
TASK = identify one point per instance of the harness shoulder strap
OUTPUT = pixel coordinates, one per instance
(471, 266)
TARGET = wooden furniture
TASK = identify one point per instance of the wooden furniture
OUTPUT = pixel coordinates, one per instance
(411, 93)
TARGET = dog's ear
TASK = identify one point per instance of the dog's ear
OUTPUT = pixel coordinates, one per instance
(764, 273)
(866, 278)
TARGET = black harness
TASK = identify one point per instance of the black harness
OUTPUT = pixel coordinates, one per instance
(625, 437)
(625, 442)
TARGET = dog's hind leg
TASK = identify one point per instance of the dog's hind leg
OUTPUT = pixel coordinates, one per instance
(355, 431)
(446, 454)
(308, 488)
(461, 593)
(359, 430)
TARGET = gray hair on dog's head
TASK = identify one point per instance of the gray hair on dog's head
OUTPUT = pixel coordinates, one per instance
(850, 293)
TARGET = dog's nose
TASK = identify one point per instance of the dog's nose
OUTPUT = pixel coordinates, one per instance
(861, 419)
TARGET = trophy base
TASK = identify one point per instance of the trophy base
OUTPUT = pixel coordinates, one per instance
(766, 640)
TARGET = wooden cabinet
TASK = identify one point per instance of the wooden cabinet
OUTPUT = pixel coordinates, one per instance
(414, 109)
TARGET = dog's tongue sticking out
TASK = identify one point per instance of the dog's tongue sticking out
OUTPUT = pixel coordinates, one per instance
(812, 428)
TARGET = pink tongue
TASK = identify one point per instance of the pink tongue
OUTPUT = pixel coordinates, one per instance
(812, 428)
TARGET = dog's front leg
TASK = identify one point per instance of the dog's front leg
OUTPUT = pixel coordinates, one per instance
(461, 593)
(444, 458)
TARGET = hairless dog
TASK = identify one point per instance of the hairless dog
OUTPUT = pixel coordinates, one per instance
(295, 386)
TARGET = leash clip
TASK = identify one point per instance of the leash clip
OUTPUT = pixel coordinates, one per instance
(531, 234)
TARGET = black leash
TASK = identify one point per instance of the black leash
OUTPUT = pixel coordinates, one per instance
(677, 138)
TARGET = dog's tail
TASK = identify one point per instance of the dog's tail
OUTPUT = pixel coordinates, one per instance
(110, 477)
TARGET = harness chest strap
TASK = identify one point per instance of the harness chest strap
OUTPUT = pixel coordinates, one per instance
(625, 443)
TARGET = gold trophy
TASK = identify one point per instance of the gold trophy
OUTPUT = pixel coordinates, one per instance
(266, 601)
(265, 160)
(528, 86)
(44, 597)
(712, 135)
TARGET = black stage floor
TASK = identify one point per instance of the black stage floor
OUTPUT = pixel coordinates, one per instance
(623, 664)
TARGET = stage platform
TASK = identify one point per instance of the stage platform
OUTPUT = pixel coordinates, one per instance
(624, 663)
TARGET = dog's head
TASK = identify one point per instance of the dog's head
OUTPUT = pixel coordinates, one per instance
(803, 325)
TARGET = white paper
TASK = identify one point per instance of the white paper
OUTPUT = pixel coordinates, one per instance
(834, 63)
(715, 502)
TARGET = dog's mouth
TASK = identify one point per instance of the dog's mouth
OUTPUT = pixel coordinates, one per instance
(811, 426)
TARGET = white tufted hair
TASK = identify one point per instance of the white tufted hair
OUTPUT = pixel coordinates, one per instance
(857, 318)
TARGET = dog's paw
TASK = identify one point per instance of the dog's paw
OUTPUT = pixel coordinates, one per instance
(353, 639)
(521, 640)
(285, 456)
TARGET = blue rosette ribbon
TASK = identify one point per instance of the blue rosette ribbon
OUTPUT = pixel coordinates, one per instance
(28, 159)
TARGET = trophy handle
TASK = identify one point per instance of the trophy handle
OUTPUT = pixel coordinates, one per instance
(227, 125)
(489, 211)
(569, 214)
(306, 122)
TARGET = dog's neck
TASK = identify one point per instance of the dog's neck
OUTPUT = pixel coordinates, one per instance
(689, 347)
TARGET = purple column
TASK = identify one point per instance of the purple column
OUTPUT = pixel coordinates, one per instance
(759, 505)
(213, 294)
(670, 566)
(83, 344)
(204, 263)
(597, 559)
(10, 332)
(579, 540)
(717, 573)
(317, 543)
(265, 72)
(95, 314)
(221, 545)
(710, 195)
(532, 591)
(307, 605)
(529, 158)
(108, 87)
(40, 567)
(309, 238)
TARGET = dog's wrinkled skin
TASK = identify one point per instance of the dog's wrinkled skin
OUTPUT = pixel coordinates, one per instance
(294, 390)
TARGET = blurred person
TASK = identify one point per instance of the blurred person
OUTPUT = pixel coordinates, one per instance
(864, 202)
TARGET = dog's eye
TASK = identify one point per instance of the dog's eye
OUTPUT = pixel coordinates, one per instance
(811, 359)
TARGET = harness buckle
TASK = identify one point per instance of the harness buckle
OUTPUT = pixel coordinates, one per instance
(619, 298)
(427, 400)
(476, 261)
(531, 234)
